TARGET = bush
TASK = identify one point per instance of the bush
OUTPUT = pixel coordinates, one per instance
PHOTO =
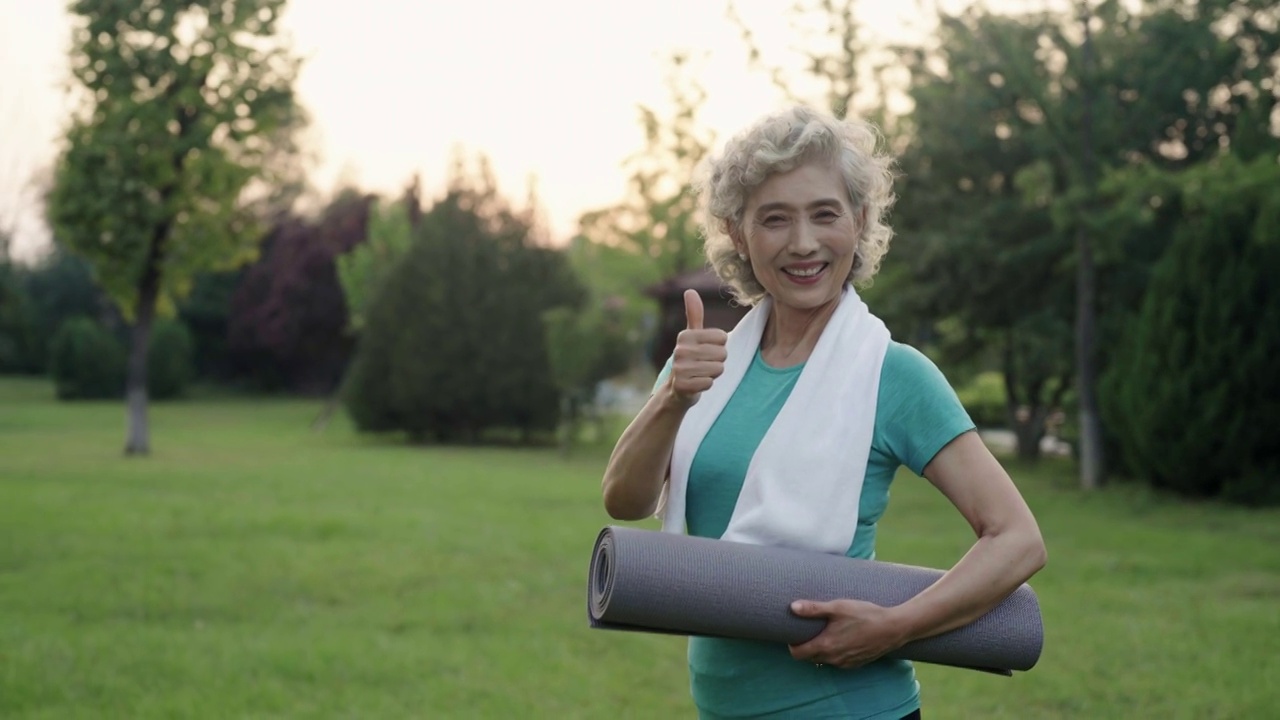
(1194, 396)
(985, 400)
(453, 343)
(86, 361)
(170, 361)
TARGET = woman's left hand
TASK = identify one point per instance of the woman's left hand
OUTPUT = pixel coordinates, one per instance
(857, 632)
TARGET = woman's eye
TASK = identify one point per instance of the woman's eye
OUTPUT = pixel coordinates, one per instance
(826, 216)
(772, 220)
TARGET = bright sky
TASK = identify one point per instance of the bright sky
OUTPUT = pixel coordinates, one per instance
(548, 89)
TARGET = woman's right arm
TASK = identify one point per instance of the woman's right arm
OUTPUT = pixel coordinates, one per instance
(637, 469)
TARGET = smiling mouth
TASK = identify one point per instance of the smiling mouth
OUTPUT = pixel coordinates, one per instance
(807, 272)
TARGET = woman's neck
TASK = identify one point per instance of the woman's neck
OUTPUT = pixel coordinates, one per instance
(790, 334)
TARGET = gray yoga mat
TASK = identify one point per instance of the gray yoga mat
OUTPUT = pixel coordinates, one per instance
(649, 581)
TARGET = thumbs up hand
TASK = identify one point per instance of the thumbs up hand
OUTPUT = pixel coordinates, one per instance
(699, 355)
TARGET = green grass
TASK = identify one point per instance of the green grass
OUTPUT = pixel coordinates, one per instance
(252, 568)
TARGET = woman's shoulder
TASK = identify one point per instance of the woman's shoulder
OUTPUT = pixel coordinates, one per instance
(905, 365)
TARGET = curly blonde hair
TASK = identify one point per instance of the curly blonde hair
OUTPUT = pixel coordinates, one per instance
(780, 142)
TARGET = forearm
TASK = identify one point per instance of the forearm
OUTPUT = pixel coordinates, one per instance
(995, 567)
(637, 469)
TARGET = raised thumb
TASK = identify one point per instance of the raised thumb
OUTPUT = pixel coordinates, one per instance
(693, 309)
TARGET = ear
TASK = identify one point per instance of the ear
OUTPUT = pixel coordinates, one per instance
(735, 234)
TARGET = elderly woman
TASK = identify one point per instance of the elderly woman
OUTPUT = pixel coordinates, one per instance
(790, 429)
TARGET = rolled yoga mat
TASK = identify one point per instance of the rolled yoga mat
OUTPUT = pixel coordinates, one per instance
(649, 581)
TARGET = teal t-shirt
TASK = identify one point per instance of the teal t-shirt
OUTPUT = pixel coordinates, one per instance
(917, 414)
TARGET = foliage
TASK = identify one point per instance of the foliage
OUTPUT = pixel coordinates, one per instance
(585, 346)
(19, 334)
(170, 360)
(41, 296)
(86, 361)
(453, 344)
(364, 268)
(288, 315)
(206, 313)
(182, 109)
(185, 116)
(1194, 395)
(995, 190)
(654, 232)
(984, 399)
(658, 219)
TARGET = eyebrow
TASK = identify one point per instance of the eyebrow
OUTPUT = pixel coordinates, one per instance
(824, 202)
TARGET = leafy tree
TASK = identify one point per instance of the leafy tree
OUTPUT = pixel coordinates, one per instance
(288, 311)
(1193, 394)
(1176, 77)
(586, 346)
(453, 344)
(653, 233)
(186, 115)
(364, 268)
(657, 219)
(998, 223)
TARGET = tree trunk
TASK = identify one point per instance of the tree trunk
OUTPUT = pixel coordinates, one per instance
(138, 441)
(1091, 460)
(1028, 430)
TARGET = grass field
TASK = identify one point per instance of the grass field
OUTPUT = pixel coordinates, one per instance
(252, 568)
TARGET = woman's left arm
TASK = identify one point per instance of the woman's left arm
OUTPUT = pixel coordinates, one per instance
(1009, 551)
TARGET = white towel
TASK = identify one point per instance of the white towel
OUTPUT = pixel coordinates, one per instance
(804, 483)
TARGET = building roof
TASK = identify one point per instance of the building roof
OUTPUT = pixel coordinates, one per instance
(702, 280)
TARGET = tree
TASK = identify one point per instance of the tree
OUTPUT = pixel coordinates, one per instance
(996, 200)
(288, 310)
(453, 344)
(1193, 393)
(585, 345)
(364, 268)
(654, 232)
(186, 117)
(658, 218)
(1179, 77)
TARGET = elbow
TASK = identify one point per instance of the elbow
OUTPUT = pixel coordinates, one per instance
(622, 511)
(615, 510)
(1035, 553)
(623, 508)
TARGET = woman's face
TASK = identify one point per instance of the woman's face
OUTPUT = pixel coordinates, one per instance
(799, 233)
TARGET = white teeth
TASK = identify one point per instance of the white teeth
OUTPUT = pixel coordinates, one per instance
(805, 273)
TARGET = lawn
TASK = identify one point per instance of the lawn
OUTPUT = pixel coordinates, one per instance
(254, 568)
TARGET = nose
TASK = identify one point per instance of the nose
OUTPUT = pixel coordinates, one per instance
(804, 240)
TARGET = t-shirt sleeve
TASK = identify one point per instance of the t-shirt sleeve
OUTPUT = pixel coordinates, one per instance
(917, 411)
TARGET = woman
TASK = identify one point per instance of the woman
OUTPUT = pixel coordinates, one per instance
(789, 430)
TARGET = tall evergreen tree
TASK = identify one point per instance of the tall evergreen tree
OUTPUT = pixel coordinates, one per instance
(1194, 394)
(453, 343)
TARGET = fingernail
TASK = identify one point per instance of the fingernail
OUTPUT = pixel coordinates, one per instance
(797, 606)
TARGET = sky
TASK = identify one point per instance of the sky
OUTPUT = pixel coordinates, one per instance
(547, 89)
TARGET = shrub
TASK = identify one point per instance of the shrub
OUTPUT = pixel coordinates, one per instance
(453, 343)
(984, 398)
(170, 361)
(1194, 396)
(86, 361)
